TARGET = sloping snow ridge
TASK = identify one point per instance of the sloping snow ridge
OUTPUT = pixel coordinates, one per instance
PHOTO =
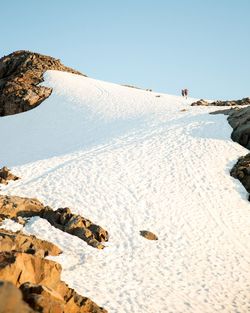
(129, 161)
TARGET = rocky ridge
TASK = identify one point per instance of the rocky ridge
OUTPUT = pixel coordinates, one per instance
(21, 72)
(39, 281)
(202, 102)
(15, 207)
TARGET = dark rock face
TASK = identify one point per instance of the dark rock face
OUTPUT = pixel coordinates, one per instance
(240, 122)
(201, 102)
(241, 171)
(20, 74)
(6, 176)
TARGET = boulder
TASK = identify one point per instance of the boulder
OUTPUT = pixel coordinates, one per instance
(21, 72)
(17, 241)
(148, 235)
(11, 300)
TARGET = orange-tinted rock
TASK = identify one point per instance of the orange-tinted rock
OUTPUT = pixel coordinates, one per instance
(17, 241)
(11, 300)
(76, 225)
(13, 206)
(148, 235)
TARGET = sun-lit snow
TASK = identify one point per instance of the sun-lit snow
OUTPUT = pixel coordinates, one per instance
(129, 160)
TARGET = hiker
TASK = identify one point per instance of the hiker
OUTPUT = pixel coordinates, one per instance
(182, 92)
(186, 93)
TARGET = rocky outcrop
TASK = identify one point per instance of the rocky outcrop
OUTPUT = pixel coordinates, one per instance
(19, 242)
(14, 206)
(39, 280)
(47, 300)
(148, 235)
(18, 207)
(20, 75)
(11, 299)
(240, 122)
(201, 102)
(76, 225)
(6, 176)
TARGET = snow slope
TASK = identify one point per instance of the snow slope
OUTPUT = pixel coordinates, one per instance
(129, 161)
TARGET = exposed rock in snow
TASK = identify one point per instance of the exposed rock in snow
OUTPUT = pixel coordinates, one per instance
(40, 281)
(244, 101)
(241, 171)
(148, 235)
(6, 176)
(20, 74)
(17, 241)
(76, 225)
(240, 122)
(15, 207)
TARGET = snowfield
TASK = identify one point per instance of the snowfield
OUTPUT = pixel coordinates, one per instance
(129, 161)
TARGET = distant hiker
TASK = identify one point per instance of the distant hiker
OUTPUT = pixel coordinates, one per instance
(186, 93)
(182, 92)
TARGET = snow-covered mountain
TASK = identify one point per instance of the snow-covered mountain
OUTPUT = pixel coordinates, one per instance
(130, 160)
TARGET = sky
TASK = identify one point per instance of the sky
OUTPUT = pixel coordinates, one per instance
(165, 45)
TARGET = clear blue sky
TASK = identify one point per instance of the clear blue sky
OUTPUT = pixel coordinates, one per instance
(165, 45)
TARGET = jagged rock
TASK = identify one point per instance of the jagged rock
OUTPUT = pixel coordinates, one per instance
(19, 268)
(39, 279)
(14, 206)
(6, 175)
(42, 298)
(20, 74)
(11, 300)
(148, 235)
(46, 300)
(244, 101)
(76, 225)
(17, 241)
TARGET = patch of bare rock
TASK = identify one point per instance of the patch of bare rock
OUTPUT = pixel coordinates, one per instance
(18, 241)
(241, 171)
(21, 72)
(11, 299)
(148, 235)
(201, 102)
(29, 282)
(6, 176)
(39, 281)
(15, 207)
